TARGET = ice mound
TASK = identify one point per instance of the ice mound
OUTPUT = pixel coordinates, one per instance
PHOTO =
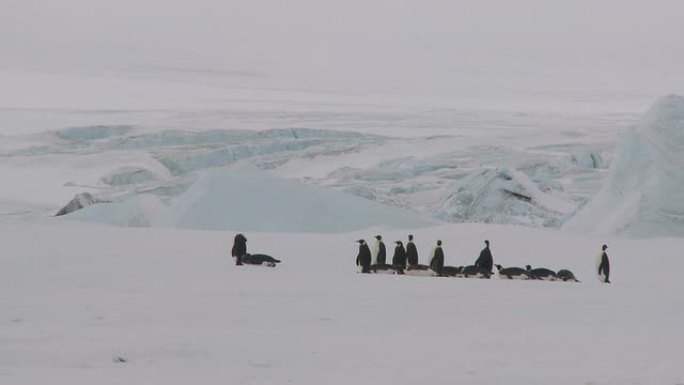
(643, 195)
(504, 196)
(251, 200)
(137, 211)
(80, 201)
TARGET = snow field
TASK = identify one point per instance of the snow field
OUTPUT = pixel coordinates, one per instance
(175, 307)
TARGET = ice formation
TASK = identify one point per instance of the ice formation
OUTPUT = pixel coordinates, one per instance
(643, 194)
(244, 199)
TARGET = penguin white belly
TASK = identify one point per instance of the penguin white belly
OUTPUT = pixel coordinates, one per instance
(476, 275)
(549, 278)
(520, 277)
(420, 273)
(384, 271)
(517, 276)
(262, 264)
(374, 253)
(388, 272)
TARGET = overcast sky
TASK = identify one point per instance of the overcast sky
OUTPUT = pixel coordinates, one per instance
(364, 39)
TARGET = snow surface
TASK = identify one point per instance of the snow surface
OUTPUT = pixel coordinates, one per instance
(175, 308)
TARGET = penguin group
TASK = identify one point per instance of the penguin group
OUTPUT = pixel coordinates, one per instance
(405, 262)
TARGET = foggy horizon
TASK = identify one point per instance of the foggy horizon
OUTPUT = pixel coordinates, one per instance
(632, 46)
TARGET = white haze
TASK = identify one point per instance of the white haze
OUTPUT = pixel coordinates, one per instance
(581, 48)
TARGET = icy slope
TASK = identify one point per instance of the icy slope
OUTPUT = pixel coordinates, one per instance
(251, 200)
(643, 195)
(172, 304)
(502, 196)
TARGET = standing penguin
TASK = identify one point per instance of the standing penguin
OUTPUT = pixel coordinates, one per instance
(399, 257)
(363, 259)
(411, 252)
(239, 248)
(379, 251)
(485, 260)
(437, 258)
(603, 266)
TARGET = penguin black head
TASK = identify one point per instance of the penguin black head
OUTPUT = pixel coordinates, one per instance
(240, 238)
(378, 237)
(399, 243)
(361, 241)
(604, 247)
(439, 242)
(528, 267)
(498, 267)
(410, 237)
(486, 242)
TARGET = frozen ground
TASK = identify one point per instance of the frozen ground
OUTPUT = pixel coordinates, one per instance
(175, 308)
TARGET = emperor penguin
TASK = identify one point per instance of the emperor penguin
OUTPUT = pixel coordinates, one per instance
(566, 275)
(363, 259)
(452, 271)
(411, 252)
(472, 271)
(485, 260)
(603, 266)
(436, 258)
(260, 259)
(239, 248)
(542, 273)
(513, 272)
(379, 252)
(399, 257)
(420, 271)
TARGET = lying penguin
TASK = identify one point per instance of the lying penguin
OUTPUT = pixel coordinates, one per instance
(259, 259)
(566, 275)
(542, 274)
(383, 268)
(451, 271)
(473, 271)
(420, 271)
(513, 273)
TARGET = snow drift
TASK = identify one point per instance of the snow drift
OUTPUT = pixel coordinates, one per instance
(643, 194)
(249, 200)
